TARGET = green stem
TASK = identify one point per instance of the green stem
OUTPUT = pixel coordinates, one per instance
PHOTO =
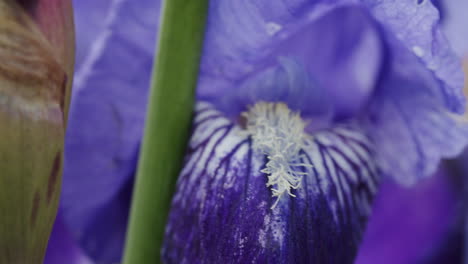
(167, 126)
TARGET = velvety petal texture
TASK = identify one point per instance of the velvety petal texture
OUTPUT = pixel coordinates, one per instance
(222, 211)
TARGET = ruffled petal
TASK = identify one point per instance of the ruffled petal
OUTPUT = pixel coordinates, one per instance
(106, 122)
(222, 209)
(416, 25)
(407, 116)
(338, 45)
(420, 84)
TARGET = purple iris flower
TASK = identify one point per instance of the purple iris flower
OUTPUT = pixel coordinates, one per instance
(303, 106)
(222, 210)
(424, 223)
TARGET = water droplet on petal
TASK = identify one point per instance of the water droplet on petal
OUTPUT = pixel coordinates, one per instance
(272, 28)
(418, 51)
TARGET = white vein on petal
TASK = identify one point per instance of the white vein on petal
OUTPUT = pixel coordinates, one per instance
(97, 48)
(340, 184)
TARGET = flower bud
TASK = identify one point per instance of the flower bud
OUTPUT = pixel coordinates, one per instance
(36, 65)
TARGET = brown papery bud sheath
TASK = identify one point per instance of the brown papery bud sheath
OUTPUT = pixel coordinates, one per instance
(36, 69)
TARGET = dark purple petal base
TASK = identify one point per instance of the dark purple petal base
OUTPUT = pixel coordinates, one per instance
(221, 211)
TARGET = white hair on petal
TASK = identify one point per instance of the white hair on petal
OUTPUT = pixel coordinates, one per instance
(278, 133)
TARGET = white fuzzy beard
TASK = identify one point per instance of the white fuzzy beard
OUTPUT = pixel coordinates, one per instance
(278, 133)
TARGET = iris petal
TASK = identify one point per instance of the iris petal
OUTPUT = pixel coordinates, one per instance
(87, 28)
(62, 247)
(408, 116)
(413, 225)
(106, 123)
(416, 25)
(338, 46)
(222, 207)
(454, 21)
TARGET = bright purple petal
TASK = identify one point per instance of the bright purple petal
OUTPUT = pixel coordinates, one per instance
(221, 211)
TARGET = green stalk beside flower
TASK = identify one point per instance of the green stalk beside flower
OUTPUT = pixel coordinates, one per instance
(167, 127)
